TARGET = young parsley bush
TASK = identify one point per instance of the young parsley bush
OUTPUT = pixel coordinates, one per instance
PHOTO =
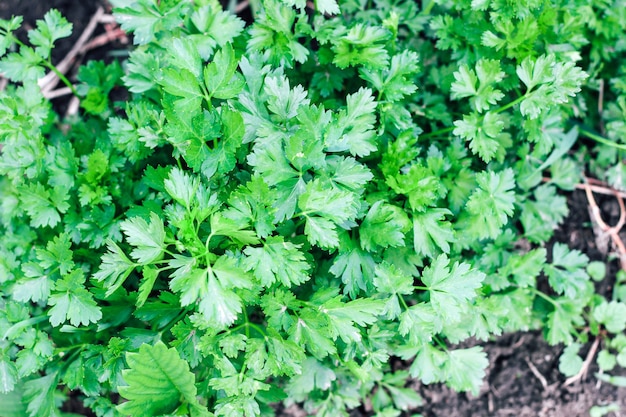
(279, 209)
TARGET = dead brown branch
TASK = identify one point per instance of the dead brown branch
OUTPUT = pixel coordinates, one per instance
(612, 231)
(585, 366)
(537, 374)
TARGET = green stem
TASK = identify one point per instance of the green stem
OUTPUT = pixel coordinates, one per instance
(601, 140)
(509, 105)
(429, 7)
(403, 302)
(437, 132)
(61, 76)
(440, 343)
(544, 296)
(258, 328)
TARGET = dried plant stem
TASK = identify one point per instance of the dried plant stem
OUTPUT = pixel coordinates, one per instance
(537, 374)
(612, 231)
(585, 367)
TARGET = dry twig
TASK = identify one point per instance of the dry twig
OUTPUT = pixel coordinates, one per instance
(585, 367)
(536, 372)
(612, 231)
(596, 186)
(241, 6)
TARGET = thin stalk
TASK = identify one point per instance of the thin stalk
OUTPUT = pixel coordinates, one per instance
(429, 7)
(61, 76)
(544, 296)
(509, 105)
(601, 140)
(403, 302)
(437, 133)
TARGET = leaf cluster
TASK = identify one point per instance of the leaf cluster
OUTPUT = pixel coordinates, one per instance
(281, 208)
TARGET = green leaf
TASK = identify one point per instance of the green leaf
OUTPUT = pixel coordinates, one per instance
(321, 232)
(215, 27)
(284, 101)
(596, 270)
(420, 322)
(312, 330)
(451, 288)
(432, 233)
(525, 268)
(220, 76)
(181, 186)
(315, 375)
(147, 238)
(39, 395)
(567, 274)
(114, 269)
(612, 315)
(147, 284)
(390, 279)
(158, 381)
(488, 73)
(541, 215)
(146, 18)
(569, 361)
(272, 34)
(355, 267)
(362, 45)
(562, 321)
(428, 364)
(269, 162)
(51, 28)
(327, 6)
(395, 82)
(183, 54)
(182, 83)
(8, 376)
(533, 72)
(190, 129)
(216, 303)
(419, 184)
(222, 158)
(34, 289)
(25, 66)
(618, 381)
(223, 226)
(492, 203)
(347, 172)
(465, 369)
(13, 404)
(484, 132)
(71, 301)
(384, 226)
(601, 411)
(277, 261)
(44, 206)
(353, 129)
(606, 360)
(343, 316)
(331, 203)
